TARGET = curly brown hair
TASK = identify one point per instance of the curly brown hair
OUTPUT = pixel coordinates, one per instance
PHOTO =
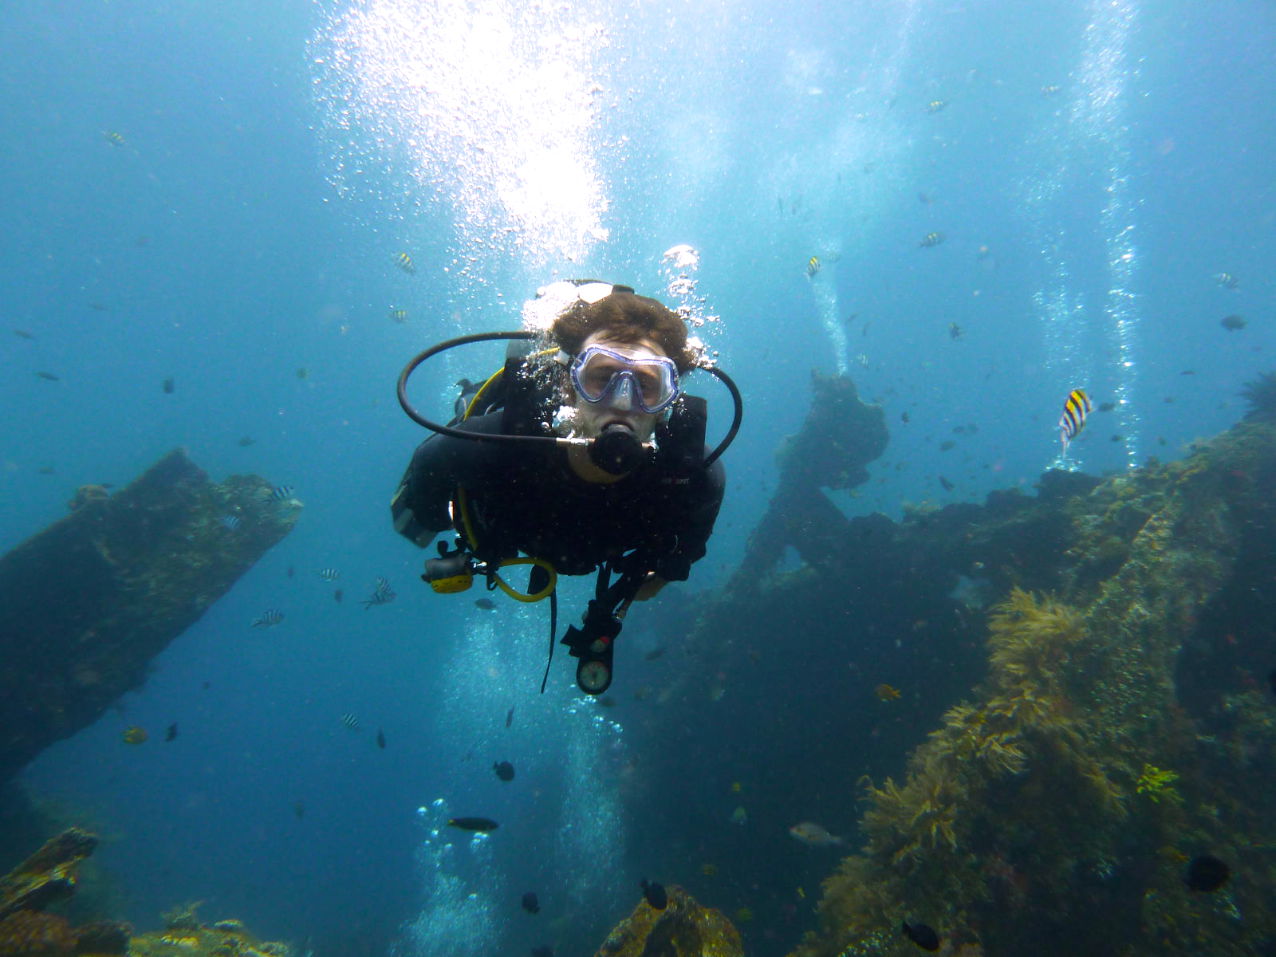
(627, 318)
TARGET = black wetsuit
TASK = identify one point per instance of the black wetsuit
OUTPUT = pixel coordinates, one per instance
(525, 497)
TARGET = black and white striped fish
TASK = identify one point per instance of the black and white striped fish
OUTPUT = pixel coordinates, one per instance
(329, 574)
(281, 493)
(269, 618)
(383, 594)
(350, 721)
(1075, 410)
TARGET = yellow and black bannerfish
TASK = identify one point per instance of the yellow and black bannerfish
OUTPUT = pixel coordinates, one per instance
(113, 137)
(931, 239)
(934, 106)
(1075, 410)
(404, 262)
(813, 266)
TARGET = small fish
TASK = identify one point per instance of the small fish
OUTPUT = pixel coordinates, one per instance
(22, 334)
(351, 721)
(280, 493)
(99, 307)
(292, 571)
(113, 137)
(269, 618)
(1106, 406)
(947, 445)
(921, 935)
(946, 485)
(404, 262)
(1232, 323)
(299, 810)
(1226, 280)
(49, 376)
(509, 715)
(1206, 873)
(246, 441)
(655, 653)
(935, 106)
(329, 574)
(1075, 410)
(229, 522)
(338, 595)
(134, 735)
(814, 835)
(739, 817)
(486, 604)
(399, 315)
(886, 692)
(530, 903)
(931, 239)
(1049, 89)
(504, 770)
(813, 266)
(303, 373)
(168, 385)
(171, 733)
(483, 824)
(954, 331)
(383, 595)
(655, 894)
(903, 417)
(380, 739)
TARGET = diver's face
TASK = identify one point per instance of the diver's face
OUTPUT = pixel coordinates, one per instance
(618, 406)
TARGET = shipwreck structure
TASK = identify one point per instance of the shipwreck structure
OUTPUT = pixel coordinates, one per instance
(88, 602)
(1036, 711)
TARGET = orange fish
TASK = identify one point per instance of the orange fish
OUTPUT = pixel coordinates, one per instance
(886, 692)
(134, 735)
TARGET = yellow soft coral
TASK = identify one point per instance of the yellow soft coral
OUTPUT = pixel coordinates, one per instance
(1157, 784)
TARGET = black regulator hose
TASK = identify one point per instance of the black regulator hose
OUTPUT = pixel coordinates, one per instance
(525, 335)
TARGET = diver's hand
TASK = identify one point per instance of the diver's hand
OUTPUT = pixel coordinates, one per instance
(650, 587)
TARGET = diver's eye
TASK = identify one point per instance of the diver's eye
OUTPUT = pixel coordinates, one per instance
(650, 383)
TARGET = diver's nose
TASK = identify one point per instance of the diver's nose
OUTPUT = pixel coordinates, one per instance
(622, 399)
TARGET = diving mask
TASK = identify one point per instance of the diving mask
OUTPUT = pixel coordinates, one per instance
(604, 375)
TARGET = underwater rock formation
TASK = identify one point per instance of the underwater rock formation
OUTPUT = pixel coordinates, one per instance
(89, 601)
(48, 876)
(683, 929)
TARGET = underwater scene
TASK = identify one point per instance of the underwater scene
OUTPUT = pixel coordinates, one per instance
(921, 354)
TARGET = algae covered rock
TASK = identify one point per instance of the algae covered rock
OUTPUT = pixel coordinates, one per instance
(683, 929)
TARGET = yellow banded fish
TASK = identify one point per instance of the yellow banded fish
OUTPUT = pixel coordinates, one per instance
(813, 266)
(404, 262)
(931, 239)
(1075, 410)
(934, 106)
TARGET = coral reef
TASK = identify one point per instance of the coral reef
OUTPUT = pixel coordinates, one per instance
(44, 878)
(1041, 817)
(683, 929)
(185, 934)
(89, 601)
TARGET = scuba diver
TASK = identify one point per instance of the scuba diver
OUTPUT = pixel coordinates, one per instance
(588, 455)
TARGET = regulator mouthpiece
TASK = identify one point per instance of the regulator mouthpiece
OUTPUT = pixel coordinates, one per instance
(617, 451)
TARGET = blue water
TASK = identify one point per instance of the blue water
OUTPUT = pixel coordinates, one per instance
(267, 164)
